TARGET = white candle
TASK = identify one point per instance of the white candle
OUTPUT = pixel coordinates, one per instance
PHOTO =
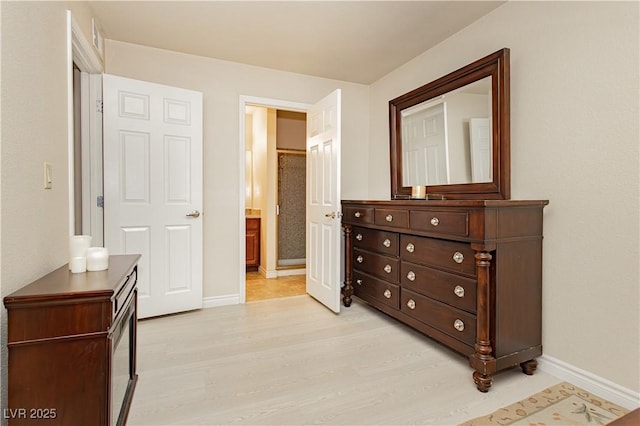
(78, 245)
(78, 264)
(97, 259)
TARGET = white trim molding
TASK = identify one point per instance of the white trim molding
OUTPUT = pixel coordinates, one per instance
(600, 386)
(215, 301)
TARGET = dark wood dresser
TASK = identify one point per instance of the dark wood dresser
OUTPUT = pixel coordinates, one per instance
(467, 273)
(72, 347)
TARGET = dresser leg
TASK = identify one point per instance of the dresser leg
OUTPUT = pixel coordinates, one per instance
(483, 381)
(528, 367)
(347, 290)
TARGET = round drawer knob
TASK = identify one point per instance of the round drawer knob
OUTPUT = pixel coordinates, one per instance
(458, 325)
(435, 221)
(458, 257)
(357, 214)
(389, 218)
(411, 276)
(387, 294)
(411, 304)
(359, 237)
(359, 259)
(411, 248)
(387, 243)
(387, 269)
(359, 282)
(459, 291)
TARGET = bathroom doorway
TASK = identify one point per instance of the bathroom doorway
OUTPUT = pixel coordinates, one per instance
(275, 180)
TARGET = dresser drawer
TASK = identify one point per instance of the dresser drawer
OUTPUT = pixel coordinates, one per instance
(440, 222)
(449, 255)
(354, 214)
(367, 288)
(392, 217)
(378, 265)
(380, 241)
(454, 290)
(454, 322)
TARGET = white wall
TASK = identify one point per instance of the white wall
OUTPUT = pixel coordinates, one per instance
(222, 84)
(33, 89)
(574, 141)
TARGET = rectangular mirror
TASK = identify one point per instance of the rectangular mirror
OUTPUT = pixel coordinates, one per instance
(452, 135)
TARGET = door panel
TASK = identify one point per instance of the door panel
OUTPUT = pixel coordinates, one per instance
(153, 180)
(323, 205)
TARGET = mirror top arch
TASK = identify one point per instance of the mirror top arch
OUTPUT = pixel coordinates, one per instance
(493, 68)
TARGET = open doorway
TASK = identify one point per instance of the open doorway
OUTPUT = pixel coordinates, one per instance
(275, 175)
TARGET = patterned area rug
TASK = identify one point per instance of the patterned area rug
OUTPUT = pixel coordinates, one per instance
(563, 404)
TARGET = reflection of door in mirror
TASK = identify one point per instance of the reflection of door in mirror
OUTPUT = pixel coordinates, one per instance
(425, 154)
(480, 138)
(437, 145)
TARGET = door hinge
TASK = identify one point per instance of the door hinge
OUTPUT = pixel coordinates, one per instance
(99, 106)
(100, 201)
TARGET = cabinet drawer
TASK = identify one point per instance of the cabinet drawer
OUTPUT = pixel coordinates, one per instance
(392, 217)
(380, 266)
(367, 287)
(451, 289)
(380, 241)
(454, 322)
(355, 214)
(441, 222)
(450, 255)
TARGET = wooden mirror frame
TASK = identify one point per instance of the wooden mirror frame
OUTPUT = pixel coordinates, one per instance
(496, 66)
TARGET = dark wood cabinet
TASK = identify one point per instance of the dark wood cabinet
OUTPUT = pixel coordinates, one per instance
(252, 243)
(72, 347)
(466, 273)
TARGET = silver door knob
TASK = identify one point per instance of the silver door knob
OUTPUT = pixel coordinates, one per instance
(194, 213)
(387, 294)
(411, 276)
(387, 243)
(458, 257)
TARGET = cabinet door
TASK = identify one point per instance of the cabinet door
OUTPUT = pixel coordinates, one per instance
(253, 242)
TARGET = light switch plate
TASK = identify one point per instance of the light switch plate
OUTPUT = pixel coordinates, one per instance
(48, 178)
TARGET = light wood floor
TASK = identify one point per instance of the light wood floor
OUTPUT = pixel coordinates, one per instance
(260, 288)
(291, 361)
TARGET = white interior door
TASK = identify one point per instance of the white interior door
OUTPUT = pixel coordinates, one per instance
(424, 139)
(480, 140)
(323, 201)
(153, 189)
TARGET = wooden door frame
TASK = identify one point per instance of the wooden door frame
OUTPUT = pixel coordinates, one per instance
(245, 101)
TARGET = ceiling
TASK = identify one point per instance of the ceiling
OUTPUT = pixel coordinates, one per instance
(356, 41)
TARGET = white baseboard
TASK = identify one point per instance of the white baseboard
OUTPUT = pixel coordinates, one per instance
(597, 385)
(212, 302)
(287, 272)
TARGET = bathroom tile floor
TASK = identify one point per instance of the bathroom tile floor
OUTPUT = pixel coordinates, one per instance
(261, 288)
